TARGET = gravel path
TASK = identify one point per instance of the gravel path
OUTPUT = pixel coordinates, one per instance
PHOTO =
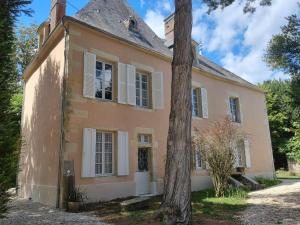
(276, 205)
(25, 212)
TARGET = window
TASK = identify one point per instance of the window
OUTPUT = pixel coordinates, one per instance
(235, 110)
(104, 153)
(142, 90)
(144, 139)
(240, 154)
(196, 102)
(198, 160)
(103, 81)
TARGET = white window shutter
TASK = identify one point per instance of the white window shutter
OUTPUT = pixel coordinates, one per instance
(247, 153)
(123, 159)
(158, 90)
(88, 153)
(204, 103)
(89, 75)
(131, 92)
(122, 83)
(235, 155)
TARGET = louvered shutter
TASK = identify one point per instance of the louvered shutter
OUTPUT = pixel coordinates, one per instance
(131, 91)
(235, 152)
(204, 103)
(123, 159)
(122, 83)
(247, 153)
(88, 153)
(158, 90)
(89, 75)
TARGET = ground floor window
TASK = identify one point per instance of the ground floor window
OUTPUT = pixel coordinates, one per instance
(104, 153)
(198, 160)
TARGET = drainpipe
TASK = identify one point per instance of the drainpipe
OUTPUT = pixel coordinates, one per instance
(59, 198)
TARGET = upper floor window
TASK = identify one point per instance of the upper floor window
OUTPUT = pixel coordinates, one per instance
(196, 102)
(235, 109)
(103, 81)
(142, 90)
(104, 153)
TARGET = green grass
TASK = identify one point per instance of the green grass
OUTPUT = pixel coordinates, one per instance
(204, 202)
(282, 174)
(265, 182)
(222, 208)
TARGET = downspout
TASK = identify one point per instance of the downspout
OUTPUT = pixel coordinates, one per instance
(59, 197)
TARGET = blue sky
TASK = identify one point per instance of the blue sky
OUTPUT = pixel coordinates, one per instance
(229, 37)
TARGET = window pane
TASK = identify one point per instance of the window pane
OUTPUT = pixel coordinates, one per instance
(142, 90)
(138, 90)
(108, 82)
(103, 158)
(98, 65)
(99, 152)
(195, 104)
(198, 159)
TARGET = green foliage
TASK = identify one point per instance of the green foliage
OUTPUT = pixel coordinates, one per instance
(249, 4)
(282, 174)
(26, 46)
(9, 99)
(76, 195)
(265, 182)
(282, 114)
(283, 51)
(293, 145)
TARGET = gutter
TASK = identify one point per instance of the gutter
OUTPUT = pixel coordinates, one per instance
(59, 198)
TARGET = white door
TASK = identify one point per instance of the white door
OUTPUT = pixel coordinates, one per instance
(142, 177)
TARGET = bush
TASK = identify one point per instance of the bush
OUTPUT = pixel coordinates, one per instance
(217, 146)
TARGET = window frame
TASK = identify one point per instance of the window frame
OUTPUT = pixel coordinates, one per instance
(236, 117)
(139, 95)
(197, 167)
(199, 103)
(104, 63)
(104, 174)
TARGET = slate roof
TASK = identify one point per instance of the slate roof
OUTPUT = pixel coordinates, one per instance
(109, 16)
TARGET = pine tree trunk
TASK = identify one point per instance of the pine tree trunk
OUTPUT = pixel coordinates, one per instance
(176, 204)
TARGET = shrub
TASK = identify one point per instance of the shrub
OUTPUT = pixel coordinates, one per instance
(217, 146)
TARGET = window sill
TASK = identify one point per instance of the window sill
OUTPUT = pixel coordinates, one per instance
(143, 109)
(104, 175)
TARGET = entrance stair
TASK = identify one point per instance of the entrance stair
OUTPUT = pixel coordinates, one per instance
(241, 180)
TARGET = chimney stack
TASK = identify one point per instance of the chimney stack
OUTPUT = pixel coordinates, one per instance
(169, 35)
(58, 11)
(169, 30)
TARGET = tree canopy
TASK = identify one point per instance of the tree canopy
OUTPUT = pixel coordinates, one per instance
(9, 100)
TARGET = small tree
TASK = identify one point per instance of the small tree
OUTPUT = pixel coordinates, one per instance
(217, 147)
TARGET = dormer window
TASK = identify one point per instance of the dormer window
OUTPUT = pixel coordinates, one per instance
(131, 24)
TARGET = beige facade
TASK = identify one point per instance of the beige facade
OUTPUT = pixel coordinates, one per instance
(54, 125)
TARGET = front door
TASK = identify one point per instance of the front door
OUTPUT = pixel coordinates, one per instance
(142, 175)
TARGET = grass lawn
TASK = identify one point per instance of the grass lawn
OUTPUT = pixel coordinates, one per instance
(207, 210)
(267, 182)
(282, 174)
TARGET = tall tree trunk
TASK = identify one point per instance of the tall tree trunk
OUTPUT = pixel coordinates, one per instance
(176, 203)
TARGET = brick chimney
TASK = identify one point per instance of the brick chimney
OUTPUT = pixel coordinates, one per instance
(58, 11)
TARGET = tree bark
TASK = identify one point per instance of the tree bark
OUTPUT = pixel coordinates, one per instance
(176, 204)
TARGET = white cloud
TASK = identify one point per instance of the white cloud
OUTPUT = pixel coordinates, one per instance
(237, 39)
(167, 5)
(241, 38)
(155, 19)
